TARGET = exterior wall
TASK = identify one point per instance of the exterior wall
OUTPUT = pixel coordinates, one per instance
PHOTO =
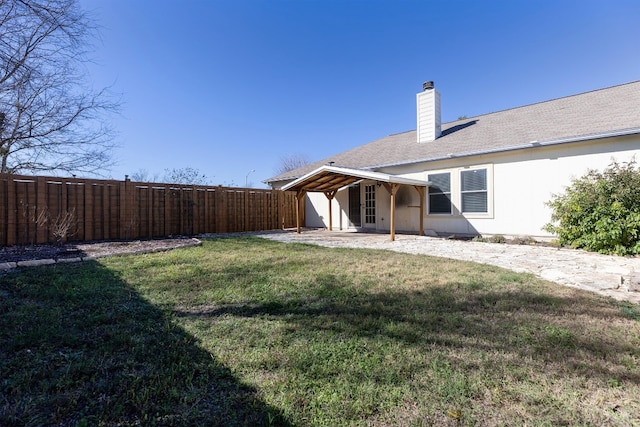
(407, 209)
(524, 182)
(317, 211)
(519, 184)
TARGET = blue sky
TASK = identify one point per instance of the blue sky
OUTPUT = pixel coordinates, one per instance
(232, 86)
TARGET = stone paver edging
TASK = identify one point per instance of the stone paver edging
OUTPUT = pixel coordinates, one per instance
(606, 275)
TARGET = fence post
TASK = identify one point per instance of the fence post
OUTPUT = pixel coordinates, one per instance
(88, 210)
(280, 209)
(64, 210)
(12, 211)
(167, 208)
(221, 217)
(3, 209)
(123, 205)
(206, 222)
(133, 203)
(41, 209)
(149, 211)
(104, 214)
(247, 211)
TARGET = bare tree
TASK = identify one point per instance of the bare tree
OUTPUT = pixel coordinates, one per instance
(143, 175)
(50, 117)
(291, 162)
(185, 176)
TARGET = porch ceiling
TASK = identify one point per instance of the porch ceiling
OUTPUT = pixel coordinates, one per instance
(332, 178)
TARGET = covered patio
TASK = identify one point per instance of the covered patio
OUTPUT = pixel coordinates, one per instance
(330, 179)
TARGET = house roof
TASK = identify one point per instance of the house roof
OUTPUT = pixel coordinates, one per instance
(592, 115)
(332, 178)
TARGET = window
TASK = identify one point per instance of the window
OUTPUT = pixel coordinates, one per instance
(473, 190)
(440, 193)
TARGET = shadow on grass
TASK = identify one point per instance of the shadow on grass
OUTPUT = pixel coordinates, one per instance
(81, 347)
(562, 333)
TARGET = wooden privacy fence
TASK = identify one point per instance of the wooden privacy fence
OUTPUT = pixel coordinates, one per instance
(40, 209)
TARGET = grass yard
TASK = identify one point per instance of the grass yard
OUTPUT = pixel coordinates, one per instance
(246, 331)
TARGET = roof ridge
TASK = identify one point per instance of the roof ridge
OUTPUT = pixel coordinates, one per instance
(397, 133)
(545, 101)
(521, 106)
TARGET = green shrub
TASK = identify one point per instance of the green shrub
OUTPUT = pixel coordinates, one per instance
(497, 238)
(523, 240)
(600, 211)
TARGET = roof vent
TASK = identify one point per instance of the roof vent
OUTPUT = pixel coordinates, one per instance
(427, 86)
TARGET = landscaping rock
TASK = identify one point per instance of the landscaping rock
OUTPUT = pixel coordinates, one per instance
(64, 260)
(36, 262)
(633, 282)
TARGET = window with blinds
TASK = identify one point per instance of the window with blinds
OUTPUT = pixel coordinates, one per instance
(440, 193)
(473, 191)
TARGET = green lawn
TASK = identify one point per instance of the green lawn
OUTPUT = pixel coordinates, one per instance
(246, 331)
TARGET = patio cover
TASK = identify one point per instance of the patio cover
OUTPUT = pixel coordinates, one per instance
(330, 179)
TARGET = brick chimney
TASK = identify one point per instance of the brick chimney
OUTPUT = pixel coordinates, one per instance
(428, 108)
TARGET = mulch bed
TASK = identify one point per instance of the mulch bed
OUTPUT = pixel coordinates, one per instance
(91, 249)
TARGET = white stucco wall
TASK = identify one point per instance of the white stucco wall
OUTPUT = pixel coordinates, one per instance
(317, 210)
(523, 181)
(520, 182)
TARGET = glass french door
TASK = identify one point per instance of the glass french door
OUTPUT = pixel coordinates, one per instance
(370, 205)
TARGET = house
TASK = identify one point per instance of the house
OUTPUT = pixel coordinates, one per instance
(484, 175)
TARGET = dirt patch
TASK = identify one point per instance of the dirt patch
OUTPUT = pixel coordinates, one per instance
(92, 249)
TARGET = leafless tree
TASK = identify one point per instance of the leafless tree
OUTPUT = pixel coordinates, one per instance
(143, 175)
(291, 162)
(51, 119)
(185, 176)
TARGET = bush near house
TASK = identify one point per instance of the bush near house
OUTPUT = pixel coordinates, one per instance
(600, 211)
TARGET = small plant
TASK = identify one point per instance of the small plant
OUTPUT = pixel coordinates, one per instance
(555, 243)
(497, 238)
(31, 214)
(63, 226)
(630, 311)
(523, 240)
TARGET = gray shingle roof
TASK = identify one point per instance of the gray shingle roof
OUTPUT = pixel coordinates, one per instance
(614, 109)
